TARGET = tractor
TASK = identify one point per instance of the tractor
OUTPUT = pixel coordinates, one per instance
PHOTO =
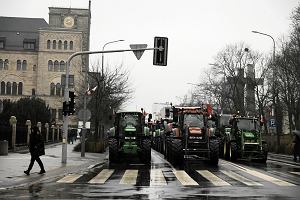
(129, 137)
(244, 140)
(190, 137)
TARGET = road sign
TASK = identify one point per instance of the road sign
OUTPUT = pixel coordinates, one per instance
(81, 114)
(272, 123)
(138, 53)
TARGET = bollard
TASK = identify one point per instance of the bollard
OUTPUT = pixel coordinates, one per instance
(13, 123)
(47, 131)
(53, 130)
(28, 123)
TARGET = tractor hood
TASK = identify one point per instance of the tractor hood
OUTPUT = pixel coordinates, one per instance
(129, 128)
(248, 134)
(195, 130)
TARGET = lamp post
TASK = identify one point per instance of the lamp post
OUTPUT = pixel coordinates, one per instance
(274, 86)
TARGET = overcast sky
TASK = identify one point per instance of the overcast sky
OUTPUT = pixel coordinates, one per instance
(197, 31)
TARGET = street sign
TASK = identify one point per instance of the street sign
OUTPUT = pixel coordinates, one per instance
(81, 114)
(138, 53)
(272, 123)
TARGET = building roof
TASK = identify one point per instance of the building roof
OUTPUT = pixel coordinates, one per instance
(16, 29)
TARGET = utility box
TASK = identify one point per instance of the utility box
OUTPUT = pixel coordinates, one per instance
(3, 148)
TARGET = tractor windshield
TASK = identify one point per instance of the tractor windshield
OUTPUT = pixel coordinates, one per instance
(129, 119)
(247, 124)
(193, 120)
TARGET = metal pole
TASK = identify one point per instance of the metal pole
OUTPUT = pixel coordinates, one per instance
(66, 95)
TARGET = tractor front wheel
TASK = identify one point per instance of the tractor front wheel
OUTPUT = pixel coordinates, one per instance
(113, 150)
(146, 151)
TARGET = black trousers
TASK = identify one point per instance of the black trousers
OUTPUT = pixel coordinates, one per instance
(37, 159)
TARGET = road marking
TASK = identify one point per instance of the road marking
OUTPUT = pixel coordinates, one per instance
(69, 178)
(184, 178)
(265, 177)
(240, 178)
(91, 166)
(297, 173)
(157, 177)
(212, 178)
(102, 177)
(129, 177)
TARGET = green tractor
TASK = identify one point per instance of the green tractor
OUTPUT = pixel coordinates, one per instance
(129, 137)
(244, 140)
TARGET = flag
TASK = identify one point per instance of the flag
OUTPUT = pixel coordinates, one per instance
(91, 91)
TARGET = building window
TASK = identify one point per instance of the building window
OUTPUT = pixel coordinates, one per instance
(8, 88)
(29, 44)
(34, 68)
(1, 64)
(14, 88)
(50, 65)
(48, 44)
(20, 88)
(54, 44)
(56, 66)
(33, 92)
(60, 114)
(65, 45)
(24, 65)
(59, 44)
(53, 114)
(58, 88)
(2, 42)
(18, 65)
(6, 64)
(2, 87)
(71, 45)
(62, 66)
(52, 89)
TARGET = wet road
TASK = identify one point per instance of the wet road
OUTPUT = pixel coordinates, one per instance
(160, 180)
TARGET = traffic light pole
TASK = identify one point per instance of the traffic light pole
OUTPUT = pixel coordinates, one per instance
(66, 95)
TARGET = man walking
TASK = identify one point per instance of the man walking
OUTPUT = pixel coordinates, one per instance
(36, 148)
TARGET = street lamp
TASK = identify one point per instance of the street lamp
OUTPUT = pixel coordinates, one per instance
(274, 85)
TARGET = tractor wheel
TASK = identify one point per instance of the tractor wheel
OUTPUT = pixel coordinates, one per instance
(221, 148)
(177, 152)
(233, 151)
(113, 150)
(225, 150)
(214, 151)
(146, 151)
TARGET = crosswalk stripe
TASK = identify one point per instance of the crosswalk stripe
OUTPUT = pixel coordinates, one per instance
(212, 178)
(71, 178)
(265, 177)
(240, 178)
(129, 177)
(157, 177)
(297, 173)
(102, 177)
(184, 178)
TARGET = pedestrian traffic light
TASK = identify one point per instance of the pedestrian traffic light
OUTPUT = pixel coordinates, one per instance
(71, 103)
(160, 55)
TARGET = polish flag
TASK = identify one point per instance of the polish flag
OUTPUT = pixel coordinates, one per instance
(91, 91)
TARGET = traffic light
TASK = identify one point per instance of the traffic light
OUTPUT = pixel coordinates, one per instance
(65, 108)
(160, 55)
(71, 103)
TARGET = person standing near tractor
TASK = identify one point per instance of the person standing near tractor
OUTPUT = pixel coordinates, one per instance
(36, 149)
(296, 149)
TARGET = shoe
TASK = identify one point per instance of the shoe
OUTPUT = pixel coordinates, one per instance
(26, 172)
(42, 172)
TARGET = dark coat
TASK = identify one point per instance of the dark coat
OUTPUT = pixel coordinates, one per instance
(297, 144)
(36, 144)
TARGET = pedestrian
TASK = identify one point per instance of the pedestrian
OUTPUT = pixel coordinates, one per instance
(36, 148)
(296, 149)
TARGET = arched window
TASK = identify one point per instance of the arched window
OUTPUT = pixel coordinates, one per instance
(59, 44)
(63, 91)
(50, 65)
(24, 65)
(58, 88)
(52, 89)
(2, 87)
(14, 88)
(54, 44)
(48, 44)
(20, 88)
(34, 68)
(33, 92)
(8, 88)
(6, 64)
(65, 45)
(56, 66)
(62, 66)
(71, 45)
(18, 65)
(1, 64)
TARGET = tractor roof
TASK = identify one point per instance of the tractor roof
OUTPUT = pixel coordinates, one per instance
(133, 112)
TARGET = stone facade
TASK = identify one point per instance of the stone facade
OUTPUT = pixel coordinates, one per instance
(38, 71)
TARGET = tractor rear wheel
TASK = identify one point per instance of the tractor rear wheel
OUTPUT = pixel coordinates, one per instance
(146, 151)
(177, 152)
(214, 151)
(113, 150)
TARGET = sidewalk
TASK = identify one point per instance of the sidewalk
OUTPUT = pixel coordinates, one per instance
(13, 165)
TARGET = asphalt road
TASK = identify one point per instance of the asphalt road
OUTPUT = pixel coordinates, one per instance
(197, 180)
